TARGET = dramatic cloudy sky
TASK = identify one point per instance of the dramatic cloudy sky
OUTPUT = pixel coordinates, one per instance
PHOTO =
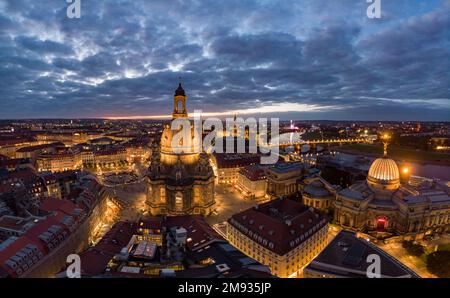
(317, 59)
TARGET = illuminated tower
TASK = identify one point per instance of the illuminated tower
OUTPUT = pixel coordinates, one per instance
(179, 103)
(180, 182)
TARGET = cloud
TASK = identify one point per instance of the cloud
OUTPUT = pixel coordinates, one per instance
(42, 46)
(306, 59)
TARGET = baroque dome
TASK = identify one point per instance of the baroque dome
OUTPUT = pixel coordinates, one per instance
(180, 179)
(384, 174)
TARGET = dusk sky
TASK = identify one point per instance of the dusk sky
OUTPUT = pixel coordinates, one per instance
(318, 59)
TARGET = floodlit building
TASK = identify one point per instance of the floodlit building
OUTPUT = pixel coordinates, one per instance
(32, 152)
(252, 181)
(282, 178)
(9, 147)
(228, 165)
(382, 205)
(282, 234)
(111, 156)
(59, 161)
(180, 181)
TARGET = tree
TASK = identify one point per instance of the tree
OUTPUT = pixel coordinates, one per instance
(438, 263)
(413, 248)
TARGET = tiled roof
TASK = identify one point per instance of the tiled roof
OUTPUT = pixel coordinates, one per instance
(12, 222)
(65, 206)
(14, 248)
(279, 225)
(40, 147)
(14, 162)
(60, 219)
(15, 141)
(235, 160)
(253, 172)
(95, 260)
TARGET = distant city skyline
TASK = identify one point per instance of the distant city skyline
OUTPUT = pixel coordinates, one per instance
(303, 60)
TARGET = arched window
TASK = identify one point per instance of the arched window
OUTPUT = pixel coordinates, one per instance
(179, 201)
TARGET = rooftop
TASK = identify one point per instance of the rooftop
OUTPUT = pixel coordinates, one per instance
(14, 163)
(317, 189)
(233, 160)
(253, 172)
(346, 256)
(60, 219)
(200, 233)
(95, 260)
(15, 223)
(279, 225)
(286, 167)
(203, 243)
(223, 254)
(40, 147)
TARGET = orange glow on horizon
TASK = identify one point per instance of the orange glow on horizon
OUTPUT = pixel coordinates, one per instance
(275, 108)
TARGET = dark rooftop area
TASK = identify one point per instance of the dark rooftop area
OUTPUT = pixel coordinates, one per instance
(346, 256)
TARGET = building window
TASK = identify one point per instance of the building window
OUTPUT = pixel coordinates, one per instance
(179, 201)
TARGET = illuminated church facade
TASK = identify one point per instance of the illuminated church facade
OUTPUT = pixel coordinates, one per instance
(179, 183)
(382, 204)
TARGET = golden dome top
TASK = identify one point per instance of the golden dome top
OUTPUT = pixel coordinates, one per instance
(384, 173)
(384, 169)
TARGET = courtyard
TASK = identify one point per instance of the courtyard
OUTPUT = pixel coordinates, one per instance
(228, 202)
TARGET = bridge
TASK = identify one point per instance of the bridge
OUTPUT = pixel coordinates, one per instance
(294, 139)
(325, 141)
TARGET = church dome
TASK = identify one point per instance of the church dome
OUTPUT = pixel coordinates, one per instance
(384, 173)
(188, 138)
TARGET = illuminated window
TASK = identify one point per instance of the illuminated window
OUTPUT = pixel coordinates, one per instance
(179, 201)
